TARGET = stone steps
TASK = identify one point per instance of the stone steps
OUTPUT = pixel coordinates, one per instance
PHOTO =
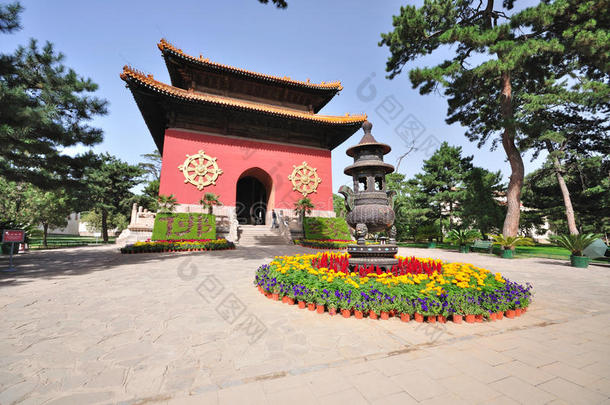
(252, 235)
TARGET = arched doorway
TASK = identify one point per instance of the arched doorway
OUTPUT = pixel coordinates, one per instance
(252, 197)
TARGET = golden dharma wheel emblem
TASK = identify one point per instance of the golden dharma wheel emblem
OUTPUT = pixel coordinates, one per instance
(200, 170)
(305, 179)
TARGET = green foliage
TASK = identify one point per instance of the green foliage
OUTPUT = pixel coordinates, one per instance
(442, 180)
(479, 207)
(178, 246)
(109, 183)
(9, 17)
(170, 226)
(588, 182)
(339, 206)
(45, 108)
(166, 203)
(428, 232)
(317, 228)
(463, 237)
(152, 169)
(575, 243)
(29, 206)
(93, 219)
(509, 242)
(278, 3)
(538, 78)
(303, 207)
(152, 165)
(209, 200)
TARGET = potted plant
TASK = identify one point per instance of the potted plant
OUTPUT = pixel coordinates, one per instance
(374, 309)
(508, 244)
(463, 238)
(384, 309)
(404, 307)
(331, 304)
(422, 309)
(576, 244)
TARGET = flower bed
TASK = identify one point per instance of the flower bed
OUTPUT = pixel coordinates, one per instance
(178, 245)
(416, 288)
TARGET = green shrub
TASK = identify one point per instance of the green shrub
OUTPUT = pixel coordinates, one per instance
(317, 228)
(184, 226)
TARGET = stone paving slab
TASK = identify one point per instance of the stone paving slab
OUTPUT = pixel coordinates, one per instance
(88, 325)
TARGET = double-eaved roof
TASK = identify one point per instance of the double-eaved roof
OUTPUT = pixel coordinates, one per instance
(219, 98)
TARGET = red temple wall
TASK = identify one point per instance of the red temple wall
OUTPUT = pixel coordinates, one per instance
(269, 162)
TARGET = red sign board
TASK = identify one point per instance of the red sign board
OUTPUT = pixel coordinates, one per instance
(13, 235)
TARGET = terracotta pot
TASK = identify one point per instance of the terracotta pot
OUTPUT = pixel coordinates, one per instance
(284, 299)
(372, 314)
(311, 306)
(320, 309)
(346, 313)
(405, 317)
(385, 315)
(470, 318)
(431, 319)
(419, 317)
(332, 311)
(499, 315)
(518, 312)
(358, 314)
(392, 312)
(290, 301)
(302, 304)
(457, 318)
(478, 318)
(510, 313)
(441, 319)
(275, 297)
(492, 316)
(523, 310)
(260, 289)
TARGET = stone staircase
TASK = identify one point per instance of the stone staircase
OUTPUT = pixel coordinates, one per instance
(253, 235)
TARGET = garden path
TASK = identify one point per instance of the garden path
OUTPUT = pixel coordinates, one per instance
(88, 325)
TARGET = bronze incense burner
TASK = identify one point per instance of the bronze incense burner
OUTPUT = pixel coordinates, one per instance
(370, 204)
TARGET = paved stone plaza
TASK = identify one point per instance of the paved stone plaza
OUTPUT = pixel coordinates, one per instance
(89, 325)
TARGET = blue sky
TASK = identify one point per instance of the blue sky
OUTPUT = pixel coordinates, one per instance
(316, 39)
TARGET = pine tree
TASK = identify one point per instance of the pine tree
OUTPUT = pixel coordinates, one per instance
(588, 182)
(44, 108)
(480, 208)
(441, 182)
(497, 61)
(109, 184)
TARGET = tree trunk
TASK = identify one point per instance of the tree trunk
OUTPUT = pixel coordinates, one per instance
(45, 229)
(513, 194)
(105, 225)
(567, 201)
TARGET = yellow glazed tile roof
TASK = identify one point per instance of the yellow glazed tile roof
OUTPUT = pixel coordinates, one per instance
(131, 75)
(164, 45)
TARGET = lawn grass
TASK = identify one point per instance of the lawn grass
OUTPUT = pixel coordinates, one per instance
(57, 241)
(540, 251)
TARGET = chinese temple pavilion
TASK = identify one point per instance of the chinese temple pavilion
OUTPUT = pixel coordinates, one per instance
(255, 140)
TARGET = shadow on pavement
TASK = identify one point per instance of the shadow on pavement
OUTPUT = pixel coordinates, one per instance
(59, 263)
